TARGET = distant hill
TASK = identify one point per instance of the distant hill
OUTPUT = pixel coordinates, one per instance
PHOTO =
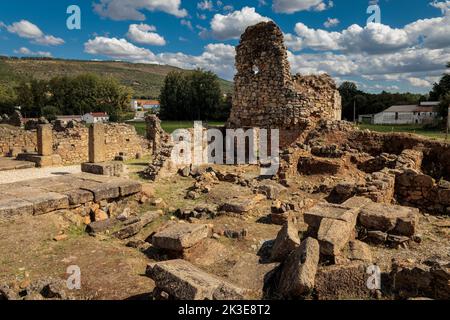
(145, 79)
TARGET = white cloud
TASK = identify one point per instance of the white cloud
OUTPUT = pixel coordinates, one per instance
(27, 52)
(205, 5)
(331, 22)
(143, 33)
(118, 49)
(417, 82)
(232, 25)
(443, 6)
(187, 23)
(292, 6)
(131, 9)
(218, 57)
(26, 29)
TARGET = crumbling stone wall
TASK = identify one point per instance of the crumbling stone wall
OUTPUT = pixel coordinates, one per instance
(71, 142)
(15, 140)
(266, 95)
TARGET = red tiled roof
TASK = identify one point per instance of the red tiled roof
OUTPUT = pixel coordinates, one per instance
(99, 114)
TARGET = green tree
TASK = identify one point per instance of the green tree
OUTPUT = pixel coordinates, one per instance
(50, 112)
(7, 99)
(190, 96)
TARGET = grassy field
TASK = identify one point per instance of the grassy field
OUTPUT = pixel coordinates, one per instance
(417, 129)
(171, 126)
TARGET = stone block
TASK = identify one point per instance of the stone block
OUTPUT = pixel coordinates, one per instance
(287, 241)
(45, 140)
(178, 237)
(387, 218)
(10, 207)
(97, 147)
(342, 282)
(111, 169)
(299, 270)
(183, 281)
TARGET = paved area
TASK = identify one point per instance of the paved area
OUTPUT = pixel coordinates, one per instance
(39, 196)
(36, 173)
(11, 164)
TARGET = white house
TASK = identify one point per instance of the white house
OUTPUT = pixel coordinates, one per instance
(95, 117)
(426, 112)
(144, 105)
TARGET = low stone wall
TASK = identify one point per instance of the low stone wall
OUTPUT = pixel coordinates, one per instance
(15, 140)
(71, 143)
(422, 191)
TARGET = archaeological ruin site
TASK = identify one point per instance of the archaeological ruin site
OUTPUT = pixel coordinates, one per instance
(350, 214)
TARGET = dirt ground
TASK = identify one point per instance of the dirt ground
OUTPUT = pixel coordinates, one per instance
(111, 270)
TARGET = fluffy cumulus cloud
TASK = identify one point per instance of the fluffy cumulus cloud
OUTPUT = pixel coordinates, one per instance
(418, 82)
(26, 29)
(292, 6)
(132, 9)
(218, 57)
(233, 24)
(145, 34)
(27, 52)
(331, 22)
(119, 49)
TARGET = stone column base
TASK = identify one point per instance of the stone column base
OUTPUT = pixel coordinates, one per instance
(112, 169)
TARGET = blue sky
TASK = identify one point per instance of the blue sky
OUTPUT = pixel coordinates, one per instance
(406, 51)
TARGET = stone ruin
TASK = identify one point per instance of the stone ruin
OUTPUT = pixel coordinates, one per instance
(266, 95)
(374, 187)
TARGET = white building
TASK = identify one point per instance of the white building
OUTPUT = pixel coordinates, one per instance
(95, 117)
(426, 112)
(144, 105)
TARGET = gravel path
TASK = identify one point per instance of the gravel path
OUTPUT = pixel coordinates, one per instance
(36, 173)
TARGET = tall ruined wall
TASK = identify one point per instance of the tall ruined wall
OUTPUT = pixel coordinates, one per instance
(71, 143)
(267, 95)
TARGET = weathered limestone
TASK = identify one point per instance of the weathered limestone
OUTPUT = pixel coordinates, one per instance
(298, 273)
(240, 205)
(181, 236)
(97, 143)
(342, 282)
(183, 281)
(11, 206)
(45, 140)
(392, 219)
(134, 228)
(314, 216)
(287, 241)
(266, 95)
(112, 169)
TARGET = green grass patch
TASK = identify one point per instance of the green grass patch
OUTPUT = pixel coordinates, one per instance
(417, 129)
(171, 126)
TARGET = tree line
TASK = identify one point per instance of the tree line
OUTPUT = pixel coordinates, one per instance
(367, 103)
(68, 96)
(193, 95)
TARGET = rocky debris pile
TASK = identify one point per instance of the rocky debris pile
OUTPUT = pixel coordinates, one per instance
(378, 163)
(327, 151)
(422, 191)
(410, 160)
(44, 289)
(180, 280)
(15, 120)
(33, 124)
(282, 212)
(198, 212)
(330, 263)
(162, 146)
(428, 278)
